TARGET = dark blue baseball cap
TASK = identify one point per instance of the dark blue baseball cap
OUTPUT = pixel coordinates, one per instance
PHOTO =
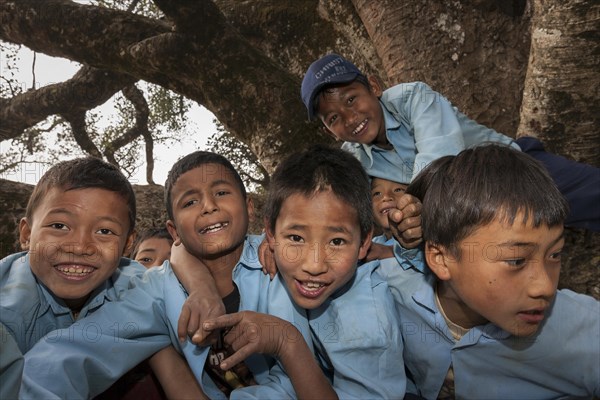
(327, 70)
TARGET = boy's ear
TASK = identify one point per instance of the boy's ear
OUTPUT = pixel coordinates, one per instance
(438, 258)
(173, 232)
(269, 235)
(129, 244)
(24, 234)
(366, 244)
(250, 208)
(376, 85)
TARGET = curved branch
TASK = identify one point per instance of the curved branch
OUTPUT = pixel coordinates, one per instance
(140, 128)
(77, 121)
(89, 88)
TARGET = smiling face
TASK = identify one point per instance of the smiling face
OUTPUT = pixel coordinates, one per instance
(352, 112)
(210, 213)
(385, 193)
(153, 251)
(316, 244)
(506, 274)
(75, 239)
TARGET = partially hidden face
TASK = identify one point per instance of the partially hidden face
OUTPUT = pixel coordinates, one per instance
(352, 113)
(153, 251)
(75, 240)
(385, 194)
(210, 213)
(507, 274)
(316, 244)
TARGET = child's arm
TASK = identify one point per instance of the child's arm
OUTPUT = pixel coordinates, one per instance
(175, 375)
(203, 302)
(265, 334)
(405, 221)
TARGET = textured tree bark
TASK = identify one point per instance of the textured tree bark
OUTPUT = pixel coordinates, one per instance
(561, 99)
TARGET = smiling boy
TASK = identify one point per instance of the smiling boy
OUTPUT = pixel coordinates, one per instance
(319, 223)
(79, 221)
(397, 132)
(489, 322)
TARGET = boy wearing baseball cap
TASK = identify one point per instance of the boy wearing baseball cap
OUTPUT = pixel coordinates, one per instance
(397, 132)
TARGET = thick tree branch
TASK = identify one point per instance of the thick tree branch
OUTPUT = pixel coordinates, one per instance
(87, 89)
(77, 121)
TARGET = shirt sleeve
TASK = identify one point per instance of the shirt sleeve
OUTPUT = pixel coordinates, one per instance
(433, 119)
(94, 352)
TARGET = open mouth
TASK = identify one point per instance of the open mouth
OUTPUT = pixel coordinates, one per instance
(310, 289)
(76, 271)
(385, 210)
(214, 227)
(360, 127)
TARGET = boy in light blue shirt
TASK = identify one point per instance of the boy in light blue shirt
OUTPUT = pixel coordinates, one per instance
(319, 223)
(79, 222)
(209, 215)
(397, 132)
(489, 321)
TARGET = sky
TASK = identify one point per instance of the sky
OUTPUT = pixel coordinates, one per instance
(50, 70)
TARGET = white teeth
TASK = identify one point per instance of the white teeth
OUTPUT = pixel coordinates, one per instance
(74, 270)
(359, 127)
(214, 227)
(312, 285)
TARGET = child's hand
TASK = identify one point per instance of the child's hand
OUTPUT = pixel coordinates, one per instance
(203, 302)
(266, 259)
(379, 251)
(198, 308)
(405, 221)
(252, 333)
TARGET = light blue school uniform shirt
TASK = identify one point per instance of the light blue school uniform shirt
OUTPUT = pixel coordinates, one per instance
(406, 258)
(30, 311)
(11, 365)
(422, 126)
(562, 360)
(145, 321)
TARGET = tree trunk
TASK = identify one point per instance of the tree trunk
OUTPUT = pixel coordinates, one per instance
(561, 102)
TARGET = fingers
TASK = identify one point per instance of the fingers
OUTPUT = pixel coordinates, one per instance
(182, 323)
(224, 321)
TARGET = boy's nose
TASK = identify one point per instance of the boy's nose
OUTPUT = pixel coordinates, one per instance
(315, 261)
(209, 206)
(543, 281)
(82, 243)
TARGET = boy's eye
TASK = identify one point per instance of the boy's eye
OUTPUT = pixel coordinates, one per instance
(295, 238)
(332, 119)
(556, 256)
(222, 193)
(337, 242)
(58, 225)
(145, 260)
(189, 203)
(376, 194)
(351, 99)
(399, 190)
(516, 263)
(105, 231)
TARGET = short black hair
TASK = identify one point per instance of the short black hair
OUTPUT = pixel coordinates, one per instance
(195, 160)
(464, 192)
(159, 233)
(317, 169)
(83, 173)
